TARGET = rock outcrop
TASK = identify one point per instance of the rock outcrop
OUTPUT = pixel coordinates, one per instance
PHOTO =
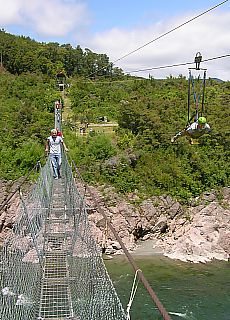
(196, 233)
(203, 237)
(11, 210)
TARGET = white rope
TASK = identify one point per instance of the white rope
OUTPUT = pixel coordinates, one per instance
(132, 294)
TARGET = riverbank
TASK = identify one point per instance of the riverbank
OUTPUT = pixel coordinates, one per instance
(187, 291)
(147, 248)
(197, 233)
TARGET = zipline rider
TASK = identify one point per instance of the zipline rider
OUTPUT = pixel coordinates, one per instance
(194, 130)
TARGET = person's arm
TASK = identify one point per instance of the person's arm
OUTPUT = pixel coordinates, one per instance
(207, 127)
(192, 127)
(65, 148)
(47, 147)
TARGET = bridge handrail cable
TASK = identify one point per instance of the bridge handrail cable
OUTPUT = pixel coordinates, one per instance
(136, 269)
(2, 206)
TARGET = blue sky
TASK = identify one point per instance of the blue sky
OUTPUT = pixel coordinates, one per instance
(117, 27)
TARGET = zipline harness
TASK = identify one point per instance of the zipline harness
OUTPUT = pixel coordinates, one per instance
(197, 87)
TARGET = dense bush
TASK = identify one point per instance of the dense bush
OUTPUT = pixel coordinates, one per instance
(139, 156)
(144, 160)
(26, 103)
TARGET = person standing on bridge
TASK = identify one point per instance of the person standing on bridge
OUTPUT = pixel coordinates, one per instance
(59, 133)
(53, 148)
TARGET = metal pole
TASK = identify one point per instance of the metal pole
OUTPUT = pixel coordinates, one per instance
(203, 94)
(189, 84)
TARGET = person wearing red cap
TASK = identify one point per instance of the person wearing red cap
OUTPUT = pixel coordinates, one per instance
(59, 133)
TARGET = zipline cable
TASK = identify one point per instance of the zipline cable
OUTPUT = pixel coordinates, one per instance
(152, 68)
(170, 31)
(178, 64)
(161, 36)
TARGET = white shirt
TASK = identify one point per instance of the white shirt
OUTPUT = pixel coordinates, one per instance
(195, 131)
(55, 144)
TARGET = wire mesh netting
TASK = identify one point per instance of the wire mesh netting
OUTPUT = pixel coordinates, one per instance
(51, 267)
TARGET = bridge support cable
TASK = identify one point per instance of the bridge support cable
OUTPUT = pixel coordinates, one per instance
(20, 269)
(132, 294)
(71, 281)
(55, 298)
(136, 269)
(31, 227)
(2, 206)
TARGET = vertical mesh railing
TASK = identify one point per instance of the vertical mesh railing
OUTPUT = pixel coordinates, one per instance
(21, 255)
(78, 286)
(93, 294)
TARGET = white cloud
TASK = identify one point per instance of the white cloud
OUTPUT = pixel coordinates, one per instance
(209, 34)
(9, 12)
(45, 17)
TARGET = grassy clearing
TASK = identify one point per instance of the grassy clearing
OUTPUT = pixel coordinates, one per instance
(108, 128)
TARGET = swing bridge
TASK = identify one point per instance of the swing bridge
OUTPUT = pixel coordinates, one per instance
(51, 267)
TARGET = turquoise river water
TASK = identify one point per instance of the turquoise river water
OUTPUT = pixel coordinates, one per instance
(187, 291)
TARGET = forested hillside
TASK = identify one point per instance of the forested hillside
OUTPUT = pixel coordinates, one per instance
(28, 89)
(26, 103)
(137, 157)
(21, 54)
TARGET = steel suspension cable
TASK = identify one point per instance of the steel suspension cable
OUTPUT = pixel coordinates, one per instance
(161, 36)
(170, 31)
(203, 94)
(140, 274)
(179, 64)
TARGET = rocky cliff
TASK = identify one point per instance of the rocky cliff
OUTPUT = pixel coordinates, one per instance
(199, 232)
